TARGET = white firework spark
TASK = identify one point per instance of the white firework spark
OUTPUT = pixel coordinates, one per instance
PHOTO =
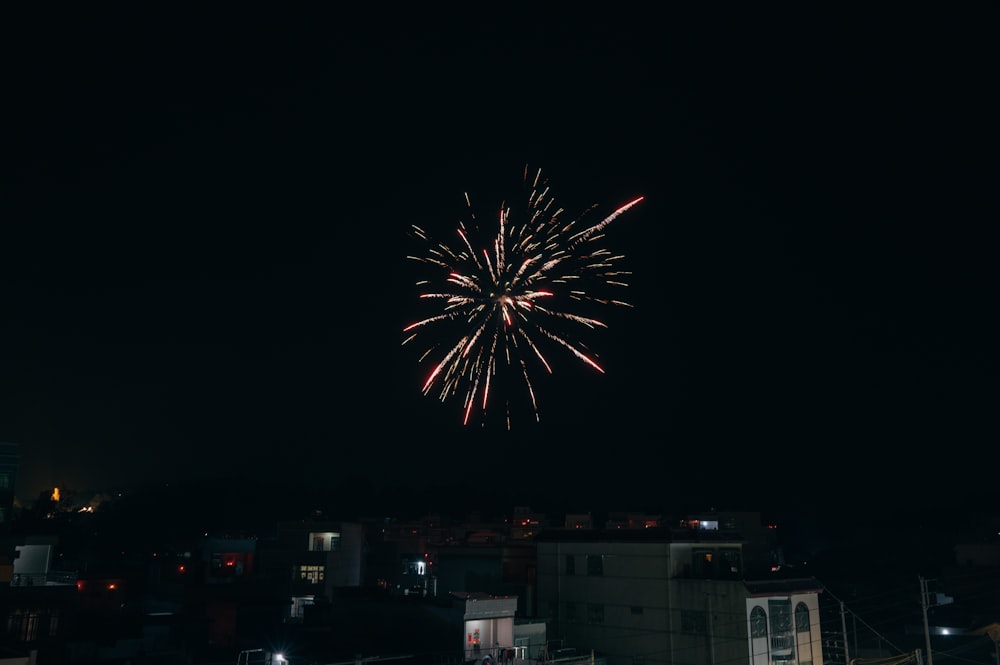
(509, 300)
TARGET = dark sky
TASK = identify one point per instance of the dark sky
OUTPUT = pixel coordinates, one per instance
(203, 241)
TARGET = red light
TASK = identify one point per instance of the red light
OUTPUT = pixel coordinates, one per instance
(79, 586)
(180, 568)
(111, 585)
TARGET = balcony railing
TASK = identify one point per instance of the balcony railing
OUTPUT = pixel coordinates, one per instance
(782, 641)
(52, 578)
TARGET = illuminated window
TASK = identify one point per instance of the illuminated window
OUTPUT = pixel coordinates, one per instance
(4, 480)
(324, 541)
(703, 564)
(299, 605)
(595, 564)
(311, 574)
(570, 564)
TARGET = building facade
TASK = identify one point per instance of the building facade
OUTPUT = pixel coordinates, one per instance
(677, 596)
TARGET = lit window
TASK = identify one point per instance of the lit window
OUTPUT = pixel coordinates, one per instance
(311, 574)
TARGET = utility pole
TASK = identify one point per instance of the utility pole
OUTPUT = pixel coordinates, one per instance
(843, 627)
(927, 630)
(711, 630)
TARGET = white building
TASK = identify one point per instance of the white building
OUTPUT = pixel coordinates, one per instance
(672, 596)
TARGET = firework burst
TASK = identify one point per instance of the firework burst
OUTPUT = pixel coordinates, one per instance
(510, 303)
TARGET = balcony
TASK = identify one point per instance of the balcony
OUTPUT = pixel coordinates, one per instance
(782, 642)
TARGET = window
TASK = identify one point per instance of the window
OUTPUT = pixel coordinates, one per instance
(571, 612)
(4, 480)
(299, 605)
(595, 564)
(694, 622)
(758, 622)
(570, 564)
(801, 618)
(595, 613)
(781, 616)
(636, 610)
(324, 541)
(311, 574)
(22, 625)
(729, 563)
(804, 637)
(703, 564)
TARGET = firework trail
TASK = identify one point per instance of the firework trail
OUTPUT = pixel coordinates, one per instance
(507, 304)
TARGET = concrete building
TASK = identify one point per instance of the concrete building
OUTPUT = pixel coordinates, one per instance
(672, 595)
(312, 559)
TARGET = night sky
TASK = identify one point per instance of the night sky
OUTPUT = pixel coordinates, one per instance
(204, 231)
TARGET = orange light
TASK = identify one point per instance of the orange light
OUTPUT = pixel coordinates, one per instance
(111, 585)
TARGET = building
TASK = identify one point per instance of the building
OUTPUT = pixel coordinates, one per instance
(10, 462)
(672, 595)
(488, 624)
(312, 559)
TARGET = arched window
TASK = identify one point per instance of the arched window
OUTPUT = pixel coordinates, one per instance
(801, 618)
(758, 622)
